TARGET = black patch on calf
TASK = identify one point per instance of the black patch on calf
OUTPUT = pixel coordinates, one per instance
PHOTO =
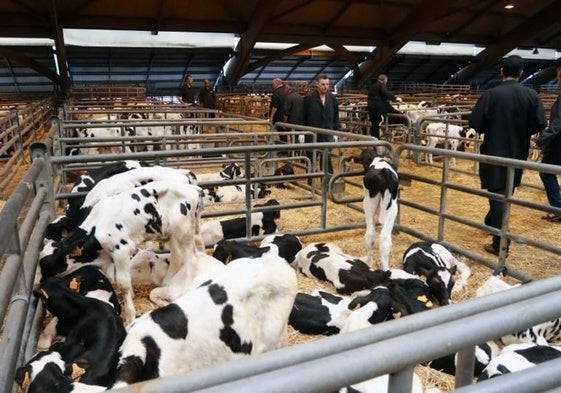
(172, 320)
(153, 356)
(145, 193)
(132, 370)
(217, 294)
(135, 197)
(119, 226)
(229, 336)
(136, 211)
(184, 208)
(318, 272)
(154, 224)
(309, 316)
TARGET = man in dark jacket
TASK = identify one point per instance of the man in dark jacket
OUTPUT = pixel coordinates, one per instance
(378, 102)
(321, 110)
(508, 115)
(550, 143)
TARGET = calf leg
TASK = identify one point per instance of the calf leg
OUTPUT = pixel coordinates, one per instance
(48, 335)
(370, 234)
(388, 219)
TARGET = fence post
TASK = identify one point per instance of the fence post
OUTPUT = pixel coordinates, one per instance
(38, 150)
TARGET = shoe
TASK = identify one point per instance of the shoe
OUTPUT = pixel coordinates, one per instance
(552, 217)
(490, 248)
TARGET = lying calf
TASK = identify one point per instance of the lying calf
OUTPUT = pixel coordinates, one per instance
(327, 262)
(240, 312)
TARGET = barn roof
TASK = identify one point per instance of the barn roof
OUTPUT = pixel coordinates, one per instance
(305, 24)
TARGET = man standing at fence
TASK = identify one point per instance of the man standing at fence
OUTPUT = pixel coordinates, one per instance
(550, 143)
(508, 115)
(321, 110)
(379, 105)
(189, 94)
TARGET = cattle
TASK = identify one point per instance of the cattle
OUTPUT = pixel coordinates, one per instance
(412, 293)
(228, 172)
(187, 278)
(495, 283)
(94, 327)
(327, 262)
(88, 281)
(47, 372)
(319, 313)
(101, 146)
(234, 193)
(542, 334)
(284, 170)
(240, 312)
(262, 223)
(116, 226)
(438, 265)
(449, 134)
(517, 357)
(375, 307)
(284, 245)
(484, 353)
(381, 384)
(149, 267)
(288, 246)
(63, 225)
(380, 203)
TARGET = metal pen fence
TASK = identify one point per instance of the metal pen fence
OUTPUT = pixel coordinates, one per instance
(326, 364)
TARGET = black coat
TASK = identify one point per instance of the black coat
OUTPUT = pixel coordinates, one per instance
(319, 115)
(508, 115)
(378, 100)
(550, 140)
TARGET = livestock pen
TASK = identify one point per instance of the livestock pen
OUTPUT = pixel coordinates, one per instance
(440, 204)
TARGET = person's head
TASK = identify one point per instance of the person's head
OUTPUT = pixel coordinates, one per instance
(382, 78)
(513, 66)
(188, 79)
(322, 84)
(277, 82)
(206, 84)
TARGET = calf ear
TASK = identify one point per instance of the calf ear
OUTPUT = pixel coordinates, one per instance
(23, 378)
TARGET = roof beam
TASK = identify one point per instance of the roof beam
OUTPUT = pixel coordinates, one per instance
(276, 56)
(343, 53)
(60, 51)
(263, 11)
(346, 4)
(520, 33)
(27, 62)
(411, 25)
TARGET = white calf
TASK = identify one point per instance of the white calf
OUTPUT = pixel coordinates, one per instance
(240, 312)
(450, 134)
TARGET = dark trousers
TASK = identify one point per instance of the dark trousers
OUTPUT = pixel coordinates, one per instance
(375, 119)
(310, 155)
(551, 185)
(494, 217)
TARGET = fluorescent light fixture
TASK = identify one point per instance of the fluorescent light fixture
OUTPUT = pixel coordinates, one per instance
(509, 6)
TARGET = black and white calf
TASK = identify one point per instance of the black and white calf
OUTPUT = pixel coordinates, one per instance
(240, 312)
(517, 357)
(284, 245)
(327, 262)
(380, 203)
(319, 313)
(229, 172)
(438, 265)
(116, 226)
(262, 223)
(95, 330)
(47, 372)
(234, 193)
(484, 353)
(90, 282)
(72, 217)
(543, 333)
(376, 307)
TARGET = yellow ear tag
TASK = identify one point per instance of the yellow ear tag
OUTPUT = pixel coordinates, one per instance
(396, 315)
(44, 293)
(423, 298)
(25, 384)
(77, 252)
(428, 304)
(77, 372)
(74, 285)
